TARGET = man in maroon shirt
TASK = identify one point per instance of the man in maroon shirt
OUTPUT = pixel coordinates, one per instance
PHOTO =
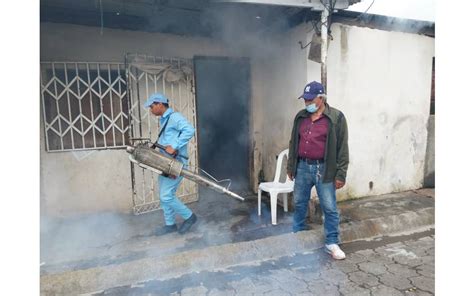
(318, 156)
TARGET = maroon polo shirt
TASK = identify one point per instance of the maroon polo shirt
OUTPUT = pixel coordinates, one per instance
(313, 136)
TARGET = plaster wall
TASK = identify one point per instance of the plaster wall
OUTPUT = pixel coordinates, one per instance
(283, 76)
(381, 80)
(66, 42)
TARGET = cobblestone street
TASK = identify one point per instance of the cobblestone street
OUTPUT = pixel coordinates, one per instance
(390, 266)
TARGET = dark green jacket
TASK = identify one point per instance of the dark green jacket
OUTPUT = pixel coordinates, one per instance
(336, 156)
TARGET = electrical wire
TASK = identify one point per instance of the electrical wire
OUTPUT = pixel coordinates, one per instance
(363, 13)
(316, 23)
(328, 23)
(324, 4)
(101, 18)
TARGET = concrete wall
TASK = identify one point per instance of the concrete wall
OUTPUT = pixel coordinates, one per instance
(382, 82)
(64, 42)
(283, 74)
(75, 183)
(429, 180)
(257, 89)
(82, 182)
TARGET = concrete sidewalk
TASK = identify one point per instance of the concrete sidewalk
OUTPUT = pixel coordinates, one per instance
(101, 251)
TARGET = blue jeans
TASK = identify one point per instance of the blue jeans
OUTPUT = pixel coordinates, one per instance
(307, 176)
(170, 204)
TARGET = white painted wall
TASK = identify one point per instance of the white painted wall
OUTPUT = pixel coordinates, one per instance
(381, 80)
(73, 183)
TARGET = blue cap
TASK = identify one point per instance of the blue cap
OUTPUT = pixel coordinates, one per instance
(312, 90)
(155, 98)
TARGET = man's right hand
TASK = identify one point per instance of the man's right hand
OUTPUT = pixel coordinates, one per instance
(171, 151)
(290, 176)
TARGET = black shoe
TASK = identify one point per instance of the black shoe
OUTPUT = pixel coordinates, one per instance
(303, 228)
(187, 224)
(166, 229)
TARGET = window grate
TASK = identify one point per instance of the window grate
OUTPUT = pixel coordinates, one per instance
(84, 105)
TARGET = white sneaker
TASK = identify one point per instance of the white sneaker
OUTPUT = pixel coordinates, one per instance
(335, 251)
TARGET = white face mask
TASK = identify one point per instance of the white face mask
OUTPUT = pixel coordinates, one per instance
(312, 108)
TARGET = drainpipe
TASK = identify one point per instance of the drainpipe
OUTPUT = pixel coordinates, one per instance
(324, 46)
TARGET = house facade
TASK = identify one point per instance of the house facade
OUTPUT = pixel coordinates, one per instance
(94, 79)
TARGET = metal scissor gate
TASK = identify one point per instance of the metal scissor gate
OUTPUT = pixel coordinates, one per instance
(174, 77)
(84, 106)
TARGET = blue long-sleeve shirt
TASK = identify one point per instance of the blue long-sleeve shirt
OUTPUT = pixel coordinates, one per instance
(177, 133)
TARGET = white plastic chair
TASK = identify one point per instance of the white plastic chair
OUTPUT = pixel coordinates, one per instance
(274, 188)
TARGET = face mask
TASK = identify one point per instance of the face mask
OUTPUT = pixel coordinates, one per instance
(311, 108)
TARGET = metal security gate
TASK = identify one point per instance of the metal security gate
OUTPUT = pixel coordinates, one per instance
(84, 106)
(175, 79)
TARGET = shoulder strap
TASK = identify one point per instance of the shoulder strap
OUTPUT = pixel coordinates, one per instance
(164, 126)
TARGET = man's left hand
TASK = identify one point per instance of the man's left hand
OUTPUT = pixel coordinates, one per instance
(170, 150)
(339, 184)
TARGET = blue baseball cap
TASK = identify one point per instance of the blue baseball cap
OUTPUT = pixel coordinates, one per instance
(155, 98)
(312, 90)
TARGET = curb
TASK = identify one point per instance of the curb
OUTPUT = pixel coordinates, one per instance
(223, 256)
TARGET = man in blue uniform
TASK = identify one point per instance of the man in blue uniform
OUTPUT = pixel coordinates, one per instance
(174, 134)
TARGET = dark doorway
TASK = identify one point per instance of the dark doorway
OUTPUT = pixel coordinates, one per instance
(222, 99)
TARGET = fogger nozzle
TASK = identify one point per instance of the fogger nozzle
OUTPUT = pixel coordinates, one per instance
(151, 159)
